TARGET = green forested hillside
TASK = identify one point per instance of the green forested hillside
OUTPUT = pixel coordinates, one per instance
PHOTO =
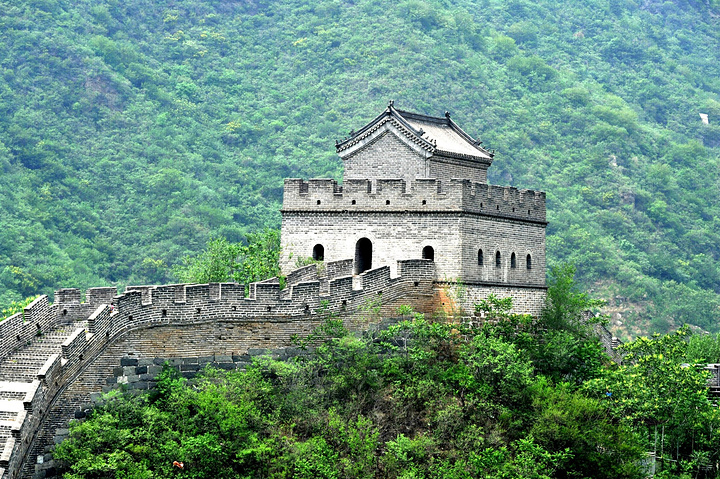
(131, 132)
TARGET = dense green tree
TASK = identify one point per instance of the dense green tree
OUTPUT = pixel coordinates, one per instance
(665, 399)
(216, 264)
(224, 261)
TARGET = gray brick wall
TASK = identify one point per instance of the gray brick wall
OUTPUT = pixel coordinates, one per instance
(461, 298)
(339, 232)
(388, 157)
(446, 169)
(507, 237)
(421, 195)
(455, 238)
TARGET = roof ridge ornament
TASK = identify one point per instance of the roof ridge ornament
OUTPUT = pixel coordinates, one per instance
(447, 114)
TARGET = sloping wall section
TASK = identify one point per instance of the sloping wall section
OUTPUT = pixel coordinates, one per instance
(50, 346)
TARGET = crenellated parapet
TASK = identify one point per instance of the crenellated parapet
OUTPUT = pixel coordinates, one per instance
(422, 195)
(310, 295)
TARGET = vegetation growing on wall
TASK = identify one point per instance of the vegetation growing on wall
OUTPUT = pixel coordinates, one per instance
(16, 307)
(133, 132)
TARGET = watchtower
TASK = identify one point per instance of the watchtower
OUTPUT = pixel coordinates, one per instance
(414, 187)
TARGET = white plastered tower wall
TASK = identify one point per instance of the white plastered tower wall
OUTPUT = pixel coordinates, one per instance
(417, 186)
(339, 234)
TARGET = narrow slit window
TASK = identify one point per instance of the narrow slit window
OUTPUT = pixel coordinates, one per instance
(498, 262)
(481, 260)
(513, 261)
(528, 262)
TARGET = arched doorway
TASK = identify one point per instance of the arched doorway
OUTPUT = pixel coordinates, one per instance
(363, 255)
(319, 252)
(428, 253)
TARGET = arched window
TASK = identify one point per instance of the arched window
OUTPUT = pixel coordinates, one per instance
(528, 262)
(498, 263)
(319, 252)
(481, 260)
(363, 255)
(513, 261)
(428, 253)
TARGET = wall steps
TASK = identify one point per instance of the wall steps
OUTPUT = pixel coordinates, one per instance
(54, 356)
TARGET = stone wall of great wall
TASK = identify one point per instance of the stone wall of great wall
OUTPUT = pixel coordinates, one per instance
(129, 364)
(53, 356)
(419, 195)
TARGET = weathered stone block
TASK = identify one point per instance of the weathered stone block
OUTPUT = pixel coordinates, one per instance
(126, 361)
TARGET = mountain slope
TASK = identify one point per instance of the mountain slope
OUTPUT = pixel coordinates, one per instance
(131, 132)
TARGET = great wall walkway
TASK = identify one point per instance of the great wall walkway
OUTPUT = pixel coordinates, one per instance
(55, 357)
(20, 375)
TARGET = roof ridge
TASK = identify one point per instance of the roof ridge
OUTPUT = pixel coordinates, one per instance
(402, 119)
(420, 116)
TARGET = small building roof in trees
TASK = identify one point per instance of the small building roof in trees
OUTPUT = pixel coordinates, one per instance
(439, 136)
